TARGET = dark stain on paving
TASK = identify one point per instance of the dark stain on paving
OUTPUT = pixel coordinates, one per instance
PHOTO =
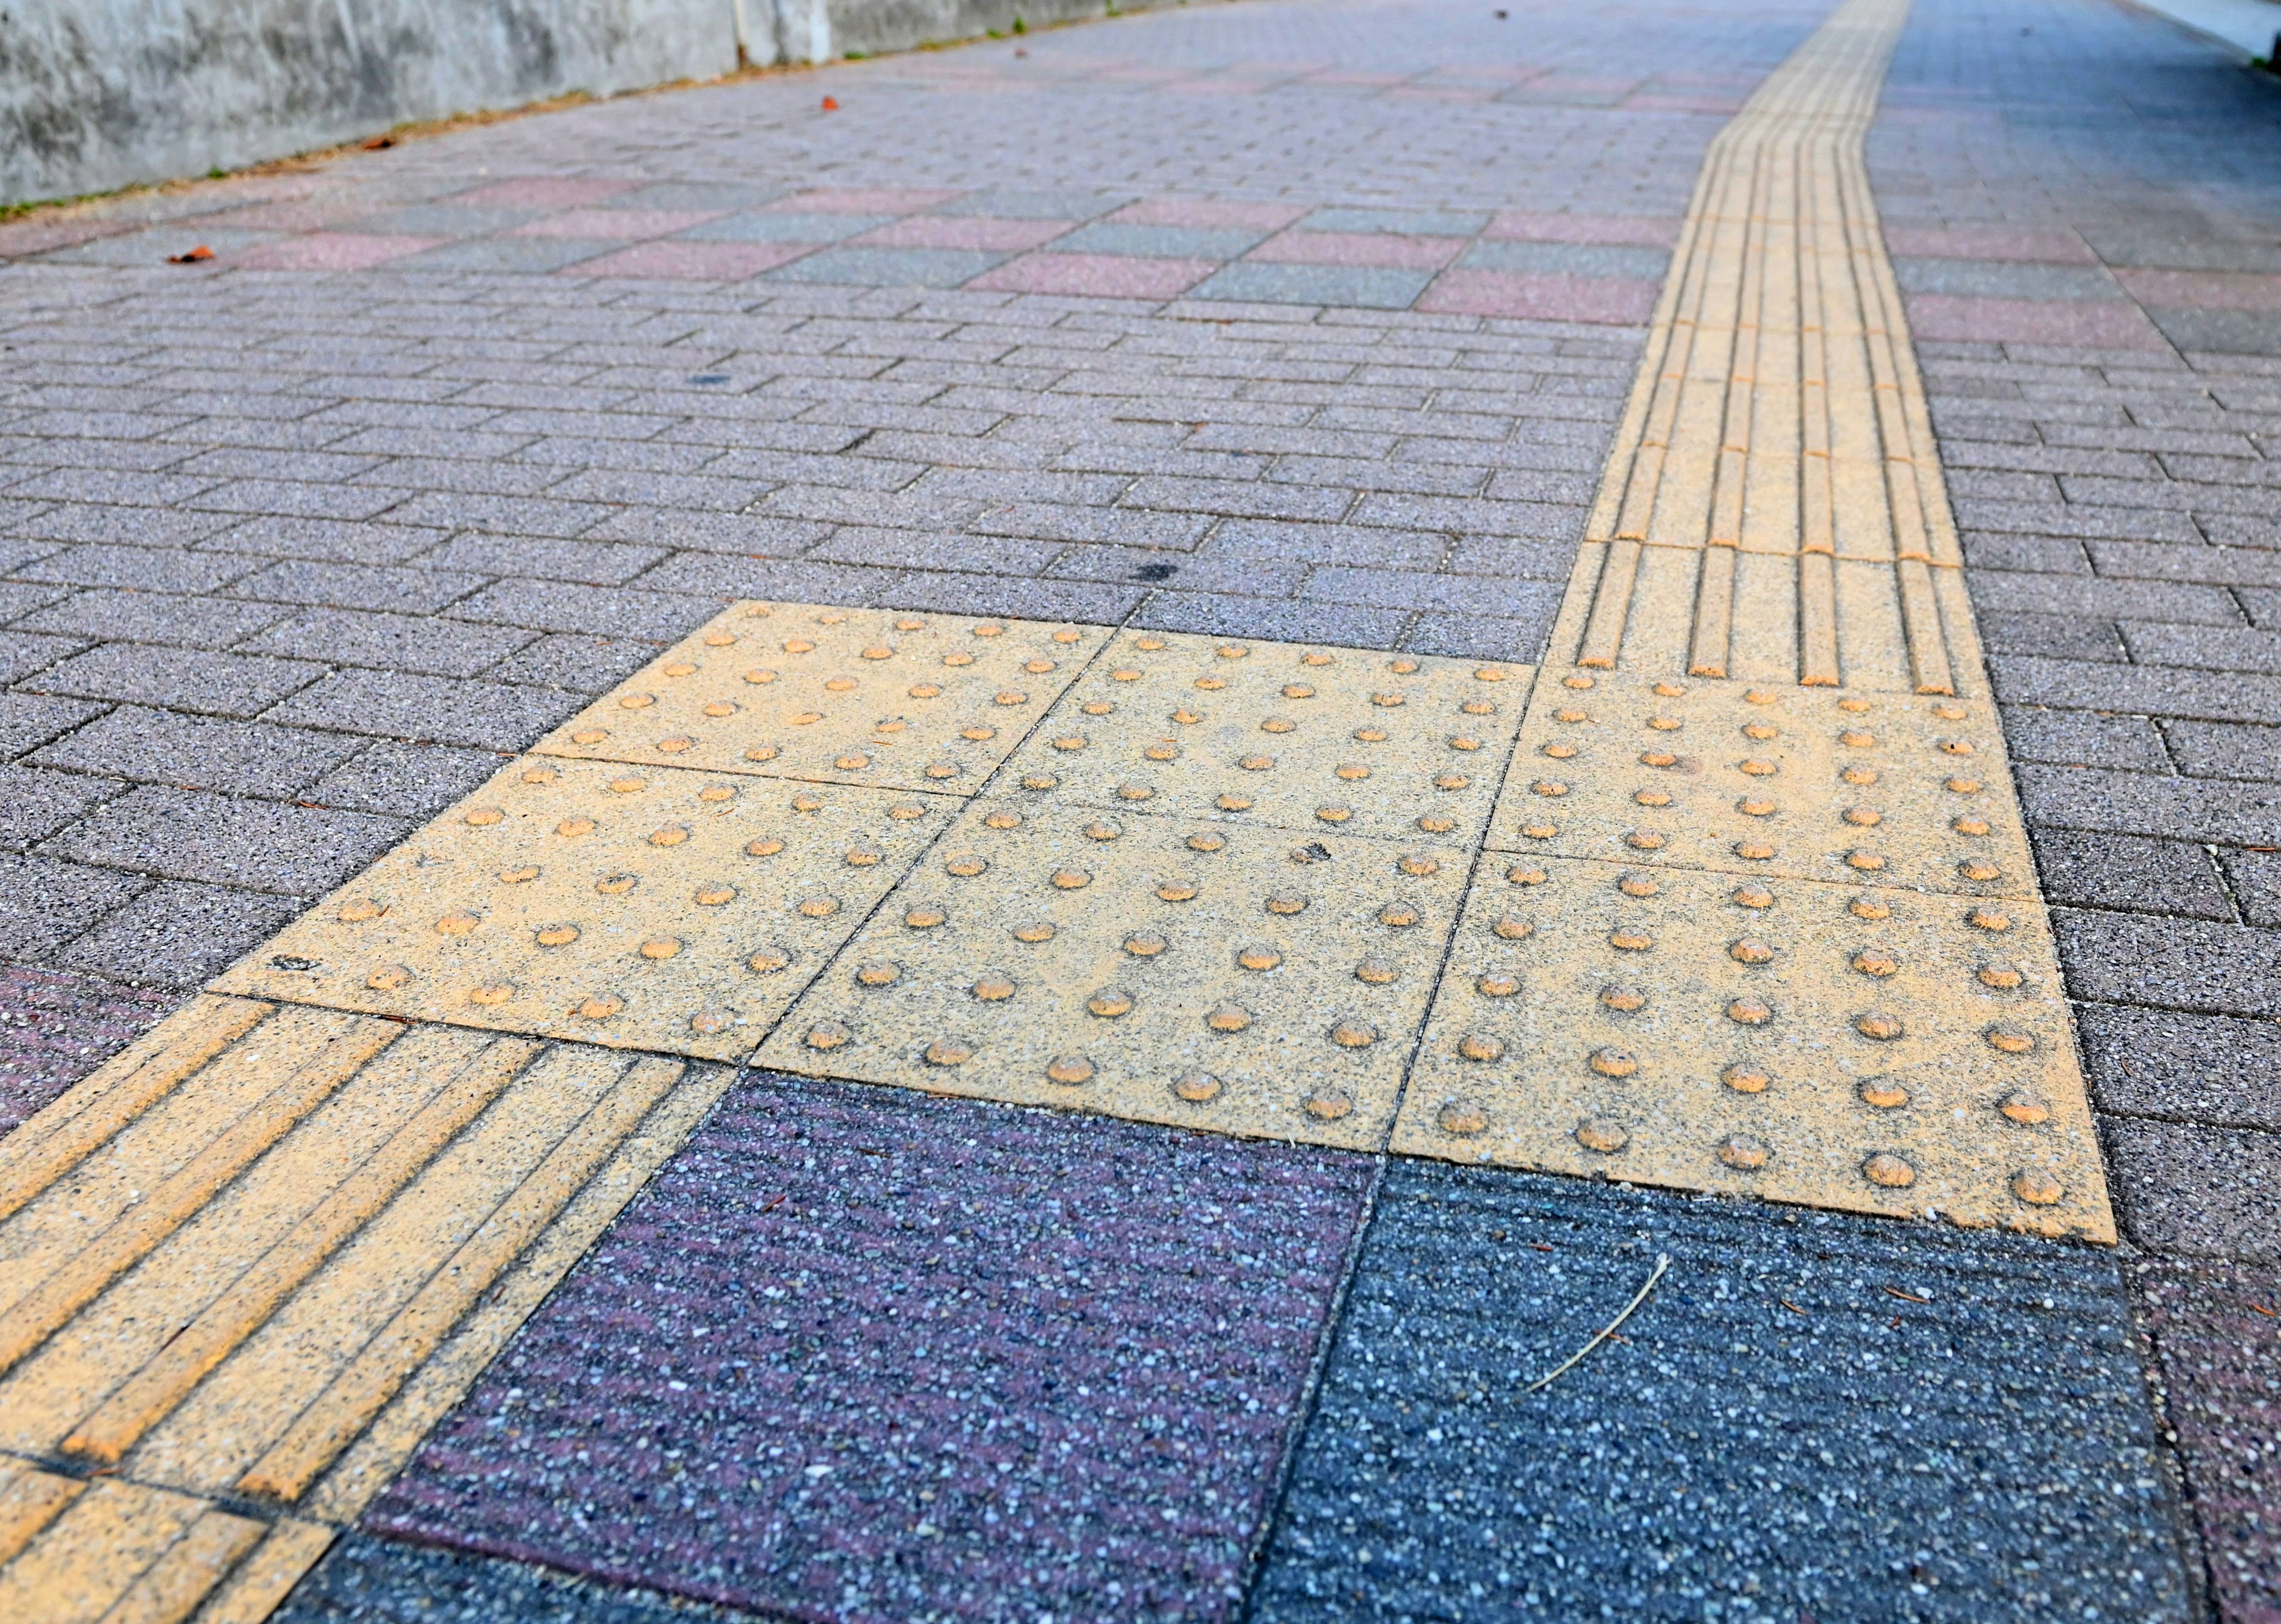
(56, 1027)
(2216, 1331)
(858, 1354)
(1814, 1417)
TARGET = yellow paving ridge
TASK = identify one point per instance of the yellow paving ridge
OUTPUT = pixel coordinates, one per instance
(1732, 894)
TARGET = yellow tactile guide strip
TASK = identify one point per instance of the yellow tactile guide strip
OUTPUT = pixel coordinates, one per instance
(1731, 895)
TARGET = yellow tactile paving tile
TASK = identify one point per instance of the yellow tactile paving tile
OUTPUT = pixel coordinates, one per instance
(1398, 746)
(1757, 779)
(839, 696)
(1871, 1048)
(651, 907)
(276, 1260)
(1249, 980)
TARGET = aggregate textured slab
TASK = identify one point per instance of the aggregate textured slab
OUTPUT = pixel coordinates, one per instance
(836, 695)
(659, 908)
(1232, 978)
(861, 1355)
(56, 1027)
(1824, 1417)
(1300, 738)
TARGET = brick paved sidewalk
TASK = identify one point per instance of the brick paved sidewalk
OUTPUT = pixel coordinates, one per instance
(1300, 319)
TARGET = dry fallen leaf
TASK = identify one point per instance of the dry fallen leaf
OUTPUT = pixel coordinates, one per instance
(200, 252)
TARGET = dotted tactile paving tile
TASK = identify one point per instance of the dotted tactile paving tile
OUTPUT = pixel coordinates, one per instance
(841, 696)
(1398, 746)
(1770, 780)
(1876, 1049)
(1252, 980)
(1828, 1417)
(641, 908)
(861, 1355)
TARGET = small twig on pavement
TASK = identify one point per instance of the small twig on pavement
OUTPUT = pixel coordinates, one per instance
(1662, 1263)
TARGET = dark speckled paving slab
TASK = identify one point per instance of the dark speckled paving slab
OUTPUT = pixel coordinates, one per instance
(1780, 1437)
(858, 1354)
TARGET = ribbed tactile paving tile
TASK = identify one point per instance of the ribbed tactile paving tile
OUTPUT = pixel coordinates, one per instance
(1400, 746)
(1841, 1046)
(840, 696)
(652, 908)
(1828, 1418)
(1767, 779)
(1249, 980)
(859, 1354)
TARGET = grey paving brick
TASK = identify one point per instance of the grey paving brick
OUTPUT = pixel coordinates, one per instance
(2207, 1069)
(2219, 566)
(329, 540)
(2205, 1192)
(599, 611)
(1097, 604)
(711, 532)
(2217, 648)
(112, 613)
(1518, 632)
(600, 564)
(296, 497)
(358, 586)
(189, 679)
(1998, 591)
(1189, 572)
(161, 746)
(2066, 519)
(582, 664)
(2223, 750)
(1359, 546)
(29, 721)
(18, 598)
(45, 904)
(934, 550)
(219, 839)
(1346, 625)
(403, 780)
(2059, 636)
(150, 569)
(391, 642)
(485, 716)
(2128, 871)
(2083, 739)
(2142, 803)
(179, 934)
(25, 653)
(2187, 964)
(2254, 876)
(34, 804)
(2026, 679)
(2006, 279)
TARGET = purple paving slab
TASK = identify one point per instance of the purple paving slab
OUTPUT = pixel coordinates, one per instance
(2098, 324)
(689, 260)
(333, 250)
(1357, 248)
(2216, 1333)
(969, 231)
(1095, 275)
(606, 223)
(1619, 300)
(858, 1354)
(56, 1027)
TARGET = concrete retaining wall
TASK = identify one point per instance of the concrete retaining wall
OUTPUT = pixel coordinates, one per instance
(98, 94)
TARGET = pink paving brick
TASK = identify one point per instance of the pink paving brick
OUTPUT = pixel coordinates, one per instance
(962, 231)
(333, 250)
(1626, 300)
(541, 191)
(1644, 230)
(38, 235)
(2091, 324)
(2204, 290)
(2057, 245)
(618, 222)
(1121, 276)
(1207, 212)
(691, 261)
(56, 1027)
(1371, 248)
(859, 200)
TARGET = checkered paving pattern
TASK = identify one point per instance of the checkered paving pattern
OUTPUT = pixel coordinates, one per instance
(1301, 319)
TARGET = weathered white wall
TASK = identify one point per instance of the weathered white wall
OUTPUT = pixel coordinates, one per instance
(96, 94)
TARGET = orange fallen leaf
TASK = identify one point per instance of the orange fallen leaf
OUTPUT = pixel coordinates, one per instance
(831, 106)
(2259, 1308)
(200, 252)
